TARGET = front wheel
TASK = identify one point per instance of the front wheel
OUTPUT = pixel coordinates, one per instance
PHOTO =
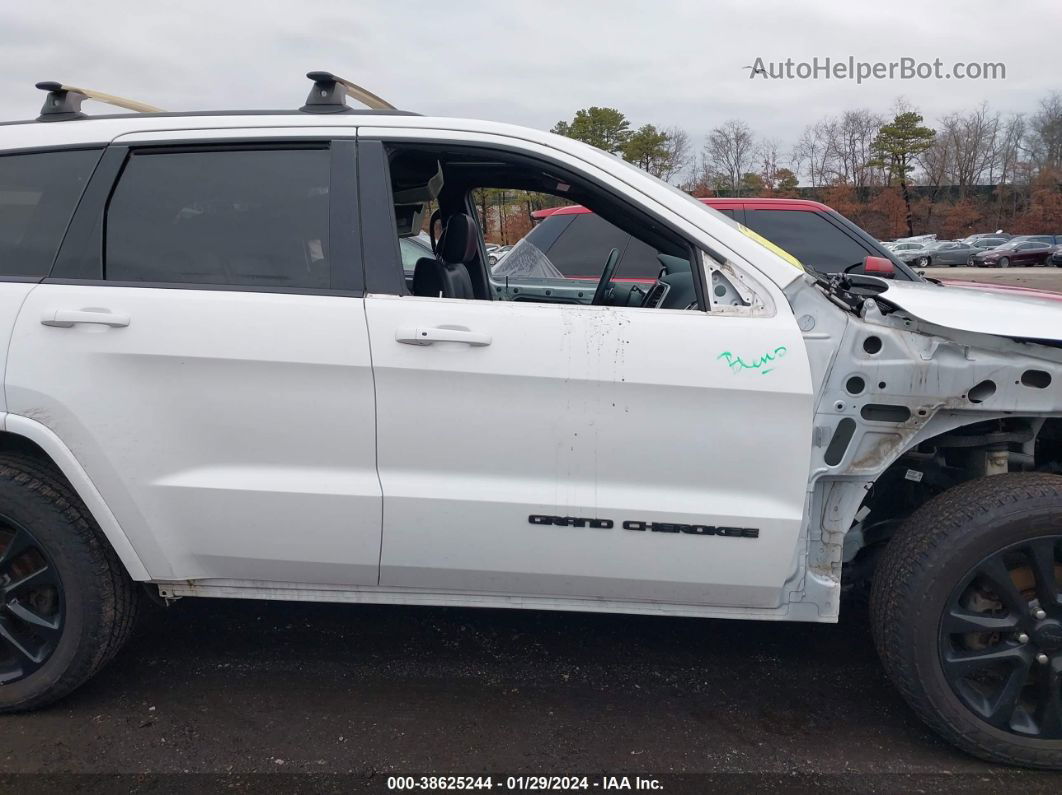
(967, 616)
(66, 603)
(1004, 262)
(922, 262)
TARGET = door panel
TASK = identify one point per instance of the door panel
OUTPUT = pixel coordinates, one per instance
(621, 414)
(231, 433)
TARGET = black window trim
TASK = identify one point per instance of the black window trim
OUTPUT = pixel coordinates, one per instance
(384, 269)
(43, 150)
(85, 234)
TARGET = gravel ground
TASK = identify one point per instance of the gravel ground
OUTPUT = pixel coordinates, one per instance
(338, 695)
(301, 697)
(1036, 278)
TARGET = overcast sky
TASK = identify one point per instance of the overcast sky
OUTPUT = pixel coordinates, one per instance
(669, 62)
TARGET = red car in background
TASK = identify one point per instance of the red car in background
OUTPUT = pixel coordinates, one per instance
(812, 232)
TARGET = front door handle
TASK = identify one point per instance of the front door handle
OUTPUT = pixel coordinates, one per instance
(65, 318)
(425, 335)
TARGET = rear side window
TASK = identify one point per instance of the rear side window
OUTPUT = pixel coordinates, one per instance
(38, 193)
(809, 237)
(241, 218)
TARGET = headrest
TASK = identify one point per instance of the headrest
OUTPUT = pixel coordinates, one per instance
(459, 239)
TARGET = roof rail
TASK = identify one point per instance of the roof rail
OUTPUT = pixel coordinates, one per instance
(63, 102)
(329, 95)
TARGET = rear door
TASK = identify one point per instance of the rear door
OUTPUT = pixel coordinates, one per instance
(38, 193)
(201, 348)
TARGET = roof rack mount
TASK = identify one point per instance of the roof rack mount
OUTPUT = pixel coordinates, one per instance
(63, 102)
(329, 95)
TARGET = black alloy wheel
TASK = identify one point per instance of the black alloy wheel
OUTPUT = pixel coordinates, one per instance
(32, 603)
(1001, 639)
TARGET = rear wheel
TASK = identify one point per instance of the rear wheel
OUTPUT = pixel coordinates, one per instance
(66, 603)
(967, 616)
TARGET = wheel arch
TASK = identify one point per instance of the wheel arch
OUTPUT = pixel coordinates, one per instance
(23, 436)
(956, 452)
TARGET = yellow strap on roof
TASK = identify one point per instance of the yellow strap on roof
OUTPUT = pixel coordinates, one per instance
(111, 99)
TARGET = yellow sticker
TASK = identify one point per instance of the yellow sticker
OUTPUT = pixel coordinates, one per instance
(781, 252)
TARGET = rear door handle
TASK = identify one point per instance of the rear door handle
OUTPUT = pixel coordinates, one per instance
(423, 335)
(65, 318)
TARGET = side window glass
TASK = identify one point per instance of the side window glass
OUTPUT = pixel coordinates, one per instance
(576, 244)
(809, 237)
(38, 193)
(240, 218)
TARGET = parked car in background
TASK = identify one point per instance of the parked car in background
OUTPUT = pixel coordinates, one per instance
(501, 253)
(998, 233)
(412, 249)
(1055, 259)
(903, 246)
(1051, 240)
(985, 243)
(1013, 252)
(945, 252)
(815, 234)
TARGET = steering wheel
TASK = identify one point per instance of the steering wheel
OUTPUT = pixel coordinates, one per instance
(606, 277)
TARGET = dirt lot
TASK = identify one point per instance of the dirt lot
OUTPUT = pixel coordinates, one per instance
(337, 698)
(1037, 278)
(329, 691)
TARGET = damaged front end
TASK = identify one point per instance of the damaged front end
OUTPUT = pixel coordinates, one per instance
(919, 388)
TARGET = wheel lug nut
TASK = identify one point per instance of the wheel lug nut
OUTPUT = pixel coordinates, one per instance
(1040, 614)
(1042, 658)
(1023, 638)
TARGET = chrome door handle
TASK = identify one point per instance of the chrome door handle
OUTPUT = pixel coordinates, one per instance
(424, 335)
(65, 318)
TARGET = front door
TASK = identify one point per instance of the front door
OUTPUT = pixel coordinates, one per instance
(586, 451)
(632, 416)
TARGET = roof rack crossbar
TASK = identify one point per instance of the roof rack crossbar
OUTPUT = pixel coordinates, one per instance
(329, 95)
(64, 102)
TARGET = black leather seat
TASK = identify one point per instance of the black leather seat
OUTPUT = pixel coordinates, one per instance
(446, 275)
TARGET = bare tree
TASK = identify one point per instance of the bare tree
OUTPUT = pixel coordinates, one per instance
(678, 153)
(969, 139)
(836, 151)
(936, 163)
(729, 154)
(1044, 136)
(850, 139)
(811, 153)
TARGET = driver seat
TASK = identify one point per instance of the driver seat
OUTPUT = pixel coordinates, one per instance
(446, 274)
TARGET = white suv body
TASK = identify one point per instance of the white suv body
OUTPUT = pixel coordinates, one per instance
(349, 441)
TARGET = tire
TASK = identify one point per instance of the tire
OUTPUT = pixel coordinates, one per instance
(1004, 262)
(922, 262)
(93, 604)
(925, 566)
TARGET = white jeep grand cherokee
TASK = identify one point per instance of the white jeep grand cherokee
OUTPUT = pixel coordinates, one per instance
(218, 381)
